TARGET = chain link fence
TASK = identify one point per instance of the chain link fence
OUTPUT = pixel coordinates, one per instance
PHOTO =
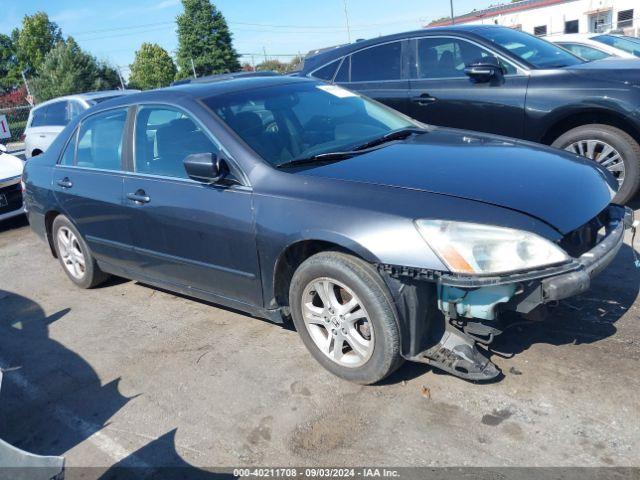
(16, 122)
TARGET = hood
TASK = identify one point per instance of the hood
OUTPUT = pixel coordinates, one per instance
(617, 69)
(10, 166)
(559, 188)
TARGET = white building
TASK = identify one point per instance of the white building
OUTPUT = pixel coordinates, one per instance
(546, 17)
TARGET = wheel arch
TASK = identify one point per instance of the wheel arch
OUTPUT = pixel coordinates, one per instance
(589, 116)
(49, 217)
(298, 251)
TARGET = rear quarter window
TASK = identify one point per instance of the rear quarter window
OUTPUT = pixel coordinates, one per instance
(38, 117)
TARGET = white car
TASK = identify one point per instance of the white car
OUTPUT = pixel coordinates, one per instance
(10, 185)
(49, 118)
(596, 46)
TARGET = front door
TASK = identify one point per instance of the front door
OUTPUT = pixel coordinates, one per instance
(88, 182)
(442, 94)
(196, 236)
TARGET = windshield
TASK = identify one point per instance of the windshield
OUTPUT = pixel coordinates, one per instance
(533, 50)
(300, 120)
(623, 43)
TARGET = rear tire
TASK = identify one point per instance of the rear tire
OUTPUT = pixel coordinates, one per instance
(74, 254)
(360, 294)
(619, 140)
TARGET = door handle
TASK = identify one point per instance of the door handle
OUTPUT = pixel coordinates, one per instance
(139, 197)
(424, 99)
(65, 183)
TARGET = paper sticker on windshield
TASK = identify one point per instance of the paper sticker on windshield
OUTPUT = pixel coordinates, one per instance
(337, 91)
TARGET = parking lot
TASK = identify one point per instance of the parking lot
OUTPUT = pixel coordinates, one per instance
(126, 374)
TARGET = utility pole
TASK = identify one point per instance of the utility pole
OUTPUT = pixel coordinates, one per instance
(30, 98)
(193, 67)
(452, 18)
(346, 16)
(264, 51)
(120, 76)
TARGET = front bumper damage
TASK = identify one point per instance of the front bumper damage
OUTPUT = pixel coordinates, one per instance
(470, 307)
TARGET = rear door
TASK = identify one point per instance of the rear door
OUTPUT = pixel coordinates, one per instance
(193, 235)
(379, 72)
(442, 94)
(88, 182)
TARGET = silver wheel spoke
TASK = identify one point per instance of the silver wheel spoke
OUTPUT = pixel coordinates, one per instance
(603, 153)
(337, 329)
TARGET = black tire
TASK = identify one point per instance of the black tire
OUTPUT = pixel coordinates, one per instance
(363, 279)
(92, 275)
(618, 139)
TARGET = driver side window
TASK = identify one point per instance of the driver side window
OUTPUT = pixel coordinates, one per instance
(164, 137)
(444, 57)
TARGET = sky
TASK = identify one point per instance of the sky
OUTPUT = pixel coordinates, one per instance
(113, 30)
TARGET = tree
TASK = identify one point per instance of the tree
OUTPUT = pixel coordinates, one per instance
(9, 70)
(66, 69)
(36, 38)
(280, 67)
(205, 39)
(152, 68)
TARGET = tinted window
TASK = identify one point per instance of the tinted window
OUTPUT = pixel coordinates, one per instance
(343, 74)
(584, 52)
(540, 30)
(57, 114)
(39, 116)
(299, 120)
(572, 26)
(537, 52)
(100, 140)
(630, 46)
(377, 63)
(327, 72)
(164, 136)
(440, 57)
(69, 152)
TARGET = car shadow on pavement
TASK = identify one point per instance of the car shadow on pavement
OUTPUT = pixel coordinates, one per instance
(164, 462)
(51, 398)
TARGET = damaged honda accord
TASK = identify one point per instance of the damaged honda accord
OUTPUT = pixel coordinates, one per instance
(383, 239)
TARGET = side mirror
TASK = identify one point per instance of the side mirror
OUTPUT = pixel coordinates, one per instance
(205, 167)
(3, 148)
(484, 69)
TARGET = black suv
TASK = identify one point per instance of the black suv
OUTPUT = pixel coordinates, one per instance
(503, 81)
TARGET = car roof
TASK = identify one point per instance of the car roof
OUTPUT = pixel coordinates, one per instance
(88, 96)
(570, 36)
(200, 91)
(318, 57)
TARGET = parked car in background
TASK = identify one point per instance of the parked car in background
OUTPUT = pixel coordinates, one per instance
(503, 81)
(10, 188)
(46, 120)
(383, 238)
(587, 47)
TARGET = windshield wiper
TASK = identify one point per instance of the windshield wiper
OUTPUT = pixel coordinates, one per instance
(319, 158)
(395, 135)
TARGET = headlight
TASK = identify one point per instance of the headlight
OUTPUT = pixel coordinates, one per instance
(482, 249)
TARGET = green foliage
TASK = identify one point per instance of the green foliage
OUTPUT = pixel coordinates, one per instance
(36, 38)
(9, 70)
(280, 67)
(66, 69)
(152, 68)
(204, 37)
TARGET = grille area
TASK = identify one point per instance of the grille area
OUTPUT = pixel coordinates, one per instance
(13, 195)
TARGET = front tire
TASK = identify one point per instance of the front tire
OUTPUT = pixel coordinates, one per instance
(345, 316)
(612, 148)
(74, 254)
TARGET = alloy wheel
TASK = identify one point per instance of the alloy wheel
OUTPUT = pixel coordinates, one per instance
(601, 152)
(337, 322)
(71, 253)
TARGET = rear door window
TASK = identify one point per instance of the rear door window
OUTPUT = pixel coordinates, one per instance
(68, 157)
(382, 62)
(100, 140)
(39, 116)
